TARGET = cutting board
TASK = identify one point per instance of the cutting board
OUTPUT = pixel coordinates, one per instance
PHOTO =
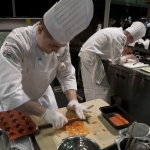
(48, 139)
(133, 65)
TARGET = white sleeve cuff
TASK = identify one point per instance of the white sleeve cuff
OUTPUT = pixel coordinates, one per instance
(69, 85)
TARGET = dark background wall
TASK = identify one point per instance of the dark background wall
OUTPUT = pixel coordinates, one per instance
(123, 11)
(36, 9)
(25, 8)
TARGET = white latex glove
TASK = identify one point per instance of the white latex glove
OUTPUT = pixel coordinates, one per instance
(79, 109)
(58, 120)
(125, 57)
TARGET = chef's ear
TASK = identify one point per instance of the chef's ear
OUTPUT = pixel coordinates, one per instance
(40, 29)
(131, 38)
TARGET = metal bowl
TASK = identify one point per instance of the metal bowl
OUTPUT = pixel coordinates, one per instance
(78, 143)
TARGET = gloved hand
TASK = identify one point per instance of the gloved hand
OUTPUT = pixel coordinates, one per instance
(79, 109)
(57, 119)
(125, 57)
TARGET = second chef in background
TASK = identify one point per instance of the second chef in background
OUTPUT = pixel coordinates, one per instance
(107, 43)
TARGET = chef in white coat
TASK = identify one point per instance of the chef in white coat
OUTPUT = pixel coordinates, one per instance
(31, 57)
(107, 43)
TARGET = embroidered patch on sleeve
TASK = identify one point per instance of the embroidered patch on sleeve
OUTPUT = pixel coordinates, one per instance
(8, 51)
(7, 54)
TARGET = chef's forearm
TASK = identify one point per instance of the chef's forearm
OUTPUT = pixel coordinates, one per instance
(31, 108)
(71, 95)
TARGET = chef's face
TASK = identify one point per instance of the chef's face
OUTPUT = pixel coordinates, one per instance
(46, 43)
(129, 39)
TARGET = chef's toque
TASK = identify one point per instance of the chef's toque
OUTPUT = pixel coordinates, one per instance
(67, 18)
(137, 30)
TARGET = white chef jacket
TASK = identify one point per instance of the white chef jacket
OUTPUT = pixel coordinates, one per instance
(19, 55)
(107, 43)
(104, 44)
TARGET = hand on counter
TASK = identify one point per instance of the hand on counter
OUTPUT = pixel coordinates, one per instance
(124, 58)
(79, 108)
(58, 120)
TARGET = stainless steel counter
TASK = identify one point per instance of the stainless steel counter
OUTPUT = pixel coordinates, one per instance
(130, 88)
(135, 72)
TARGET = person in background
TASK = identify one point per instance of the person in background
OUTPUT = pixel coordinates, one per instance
(107, 43)
(31, 57)
(144, 21)
(111, 22)
(122, 22)
(127, 23)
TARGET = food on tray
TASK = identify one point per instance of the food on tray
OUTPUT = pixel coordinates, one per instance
(116, 116)
(75, 128)
(118, 120)
(121, 118)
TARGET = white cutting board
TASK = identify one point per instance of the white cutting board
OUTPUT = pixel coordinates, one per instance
(133, 65)
(47, 139)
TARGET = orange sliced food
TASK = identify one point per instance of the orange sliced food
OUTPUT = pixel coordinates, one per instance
(75, 128)
(118, 120)
(121, 118)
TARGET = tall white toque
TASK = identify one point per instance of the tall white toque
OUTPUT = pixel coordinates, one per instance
(67, 18)
(137, 30)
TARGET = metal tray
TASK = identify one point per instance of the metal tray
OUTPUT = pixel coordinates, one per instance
(109, 111)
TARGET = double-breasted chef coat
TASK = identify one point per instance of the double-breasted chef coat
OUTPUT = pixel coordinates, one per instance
(107, 43)
(26, 71)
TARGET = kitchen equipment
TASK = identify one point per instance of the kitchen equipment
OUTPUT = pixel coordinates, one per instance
(16, 124)
(130, 135)
(90, 106)
(121, 142)
(4, 140)
(122, 139)
(110, 111)
(140, 131)
(100, 130)
(78, 143)
(48, 125)
(140, 146)
(23, 143)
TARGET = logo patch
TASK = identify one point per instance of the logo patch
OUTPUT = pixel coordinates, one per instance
(7, 54)
(8, 51)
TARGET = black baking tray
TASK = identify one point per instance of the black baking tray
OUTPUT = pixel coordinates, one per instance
(109, 111)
